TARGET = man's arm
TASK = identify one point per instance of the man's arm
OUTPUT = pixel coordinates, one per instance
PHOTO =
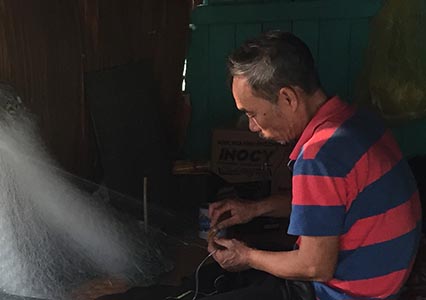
(315, 260)
(240, 211)
(278, 206)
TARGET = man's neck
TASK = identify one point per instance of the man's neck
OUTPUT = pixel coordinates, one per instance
(315, 101)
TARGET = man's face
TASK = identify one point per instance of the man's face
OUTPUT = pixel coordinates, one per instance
(277, 122)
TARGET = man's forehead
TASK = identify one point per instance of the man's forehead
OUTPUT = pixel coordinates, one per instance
(240, 82)
(243, 94)
(246, 98)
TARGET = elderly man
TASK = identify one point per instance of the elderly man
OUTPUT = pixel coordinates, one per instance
(354, 203)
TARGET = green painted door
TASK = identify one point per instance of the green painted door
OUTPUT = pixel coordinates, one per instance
(335, 30)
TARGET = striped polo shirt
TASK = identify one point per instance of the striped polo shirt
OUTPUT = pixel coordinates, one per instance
(351, 180)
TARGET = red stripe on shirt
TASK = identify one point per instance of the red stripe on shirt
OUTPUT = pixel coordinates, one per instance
(378, 287)
(313, 146)
(334, 111)
(369, 231)
(324, 132)
(319, 190)
(376, 169)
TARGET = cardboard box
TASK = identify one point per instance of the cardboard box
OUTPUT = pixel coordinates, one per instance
(242, 156)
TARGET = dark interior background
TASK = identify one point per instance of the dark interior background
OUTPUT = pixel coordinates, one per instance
(103, 78)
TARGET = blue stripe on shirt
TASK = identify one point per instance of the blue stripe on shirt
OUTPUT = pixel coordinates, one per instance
(330, 167)
(373, 200)
(334, 153)
(361, 131)
(315, 220)
(378, 259)
(324, 292)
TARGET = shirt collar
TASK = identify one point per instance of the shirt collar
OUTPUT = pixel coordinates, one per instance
(331, 107)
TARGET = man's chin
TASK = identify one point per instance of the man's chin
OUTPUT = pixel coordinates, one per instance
(272, 139)
(269, 138)
(287, 143)
(262, 136)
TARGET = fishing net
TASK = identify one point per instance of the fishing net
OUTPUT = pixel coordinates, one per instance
(55, 233)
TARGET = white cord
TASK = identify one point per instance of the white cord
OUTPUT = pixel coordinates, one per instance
(196, 292)
(196, 274)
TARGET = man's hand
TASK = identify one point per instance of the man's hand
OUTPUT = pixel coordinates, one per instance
(239, 212)
(232, 255)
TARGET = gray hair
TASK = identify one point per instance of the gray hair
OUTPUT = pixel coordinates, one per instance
(272, 61)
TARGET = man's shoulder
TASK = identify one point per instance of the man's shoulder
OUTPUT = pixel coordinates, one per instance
(342, 143)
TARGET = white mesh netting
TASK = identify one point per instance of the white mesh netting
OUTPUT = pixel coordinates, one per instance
(55, 236)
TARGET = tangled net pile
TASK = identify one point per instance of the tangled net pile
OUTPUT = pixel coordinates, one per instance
(55, 236)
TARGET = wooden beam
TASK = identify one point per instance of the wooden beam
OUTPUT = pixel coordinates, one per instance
(280, 11)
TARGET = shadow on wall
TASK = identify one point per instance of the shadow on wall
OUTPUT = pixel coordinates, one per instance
(124, 105)
(418, 167)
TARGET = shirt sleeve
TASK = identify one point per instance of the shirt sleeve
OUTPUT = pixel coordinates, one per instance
(319, 198)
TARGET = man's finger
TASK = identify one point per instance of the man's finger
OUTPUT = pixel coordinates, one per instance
(219, 212)
(211, 246)
(220, 208)
(225, 243)
(227, 223)
(213, 206)
(214, 210)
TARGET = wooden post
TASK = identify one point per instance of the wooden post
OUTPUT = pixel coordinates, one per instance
(145, 204)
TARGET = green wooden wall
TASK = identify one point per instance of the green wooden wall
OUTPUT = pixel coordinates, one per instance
(335, 30)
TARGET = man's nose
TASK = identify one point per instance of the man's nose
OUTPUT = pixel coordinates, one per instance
(253, 126)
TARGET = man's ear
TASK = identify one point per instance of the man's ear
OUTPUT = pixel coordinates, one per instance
(289, 97)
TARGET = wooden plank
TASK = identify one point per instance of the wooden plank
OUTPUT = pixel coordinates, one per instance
(41, 49)
(246, 31)
(218, 2)
(169, 67)
(333, 61)
(211, 98)
(248, 1)
(280, 11)
(197, 70)
(198, 86)
(221, 107)
(358, 45)
(308, 31)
